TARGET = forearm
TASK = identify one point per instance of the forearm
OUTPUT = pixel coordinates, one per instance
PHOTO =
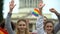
(40, 9)
(8, 23)
(58, 15)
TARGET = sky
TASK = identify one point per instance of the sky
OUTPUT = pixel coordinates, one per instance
(48, 4)
(6, 7)
(51, 4)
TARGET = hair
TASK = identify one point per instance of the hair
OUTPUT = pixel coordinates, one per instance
(51, 23)
(13, 25)
(2, 25)
(45, 17)
(26, 31)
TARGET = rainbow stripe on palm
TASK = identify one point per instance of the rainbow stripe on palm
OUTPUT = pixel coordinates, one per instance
(36, 12)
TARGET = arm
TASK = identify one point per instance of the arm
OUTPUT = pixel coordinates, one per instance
(8, 19)
(58, 15)
(39, 22)
(8, 24)
(57, 27)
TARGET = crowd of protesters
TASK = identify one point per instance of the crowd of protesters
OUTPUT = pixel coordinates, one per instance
(43, 25)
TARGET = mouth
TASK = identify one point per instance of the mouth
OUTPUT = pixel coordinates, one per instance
(49, 29)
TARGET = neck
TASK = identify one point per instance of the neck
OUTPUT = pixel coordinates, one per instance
(22, 32)
(49, 33)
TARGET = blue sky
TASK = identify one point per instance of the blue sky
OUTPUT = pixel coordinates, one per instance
(51, 4)
(6, 7)
(48, 4)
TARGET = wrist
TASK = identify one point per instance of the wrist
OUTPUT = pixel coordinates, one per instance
(55, 12)
(10, 11)
(40, 9)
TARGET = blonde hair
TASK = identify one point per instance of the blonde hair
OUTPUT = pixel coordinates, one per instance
(27, 29)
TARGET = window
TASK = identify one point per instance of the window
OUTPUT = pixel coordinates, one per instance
(29, 3)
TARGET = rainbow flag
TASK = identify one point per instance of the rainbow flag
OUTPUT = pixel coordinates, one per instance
(2, 31)
(36, 12)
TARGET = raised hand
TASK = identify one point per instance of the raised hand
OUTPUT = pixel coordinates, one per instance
(11, 5)
(52, 10)
(41, 5)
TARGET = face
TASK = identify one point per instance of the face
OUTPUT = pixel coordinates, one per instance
(45, 19)
(49, 27)
(21, 26)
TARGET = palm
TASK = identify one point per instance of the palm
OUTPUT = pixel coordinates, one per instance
(41, 5)
(12, 5)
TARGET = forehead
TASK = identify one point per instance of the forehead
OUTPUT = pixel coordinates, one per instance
(21, 22)
(45, 18)
(49, 24)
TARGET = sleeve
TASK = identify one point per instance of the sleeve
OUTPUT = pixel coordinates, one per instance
(57, 27)
(39, 25)
(8, 24)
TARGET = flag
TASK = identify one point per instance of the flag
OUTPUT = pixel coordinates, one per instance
(36, 12)
(2, 31)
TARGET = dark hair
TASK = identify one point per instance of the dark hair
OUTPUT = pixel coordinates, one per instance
(2, 24)
(13, 25)
(21, 20)
(51, 23)
(45, 17)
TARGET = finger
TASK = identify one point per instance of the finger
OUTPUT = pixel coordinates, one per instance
(43, 5)
(14, 5)
(12, 1)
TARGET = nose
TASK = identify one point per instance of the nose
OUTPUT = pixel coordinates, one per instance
(22, 26)
(49, 27)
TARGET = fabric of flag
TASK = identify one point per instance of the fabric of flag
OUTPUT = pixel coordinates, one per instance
(36, 12)
(2, 31)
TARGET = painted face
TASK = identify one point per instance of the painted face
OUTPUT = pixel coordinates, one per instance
(21, 26)
(49, 27)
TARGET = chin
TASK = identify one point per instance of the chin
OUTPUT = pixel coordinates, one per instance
(22, 30)
(49, 31)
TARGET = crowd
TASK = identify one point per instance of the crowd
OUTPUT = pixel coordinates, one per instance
(43, 25)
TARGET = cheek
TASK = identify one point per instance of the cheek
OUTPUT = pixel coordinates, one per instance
(18, 27)
(24, 27)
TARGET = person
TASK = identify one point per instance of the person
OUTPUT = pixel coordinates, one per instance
(21, 26)
(3, 30)
(57, 27)
(40, 20)
(49, 27)
(45, 19)
(39, 23)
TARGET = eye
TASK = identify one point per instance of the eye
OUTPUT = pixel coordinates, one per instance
(23, 24)
(50, 26)
(44, 20)
(20, 25)
(47, 26)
